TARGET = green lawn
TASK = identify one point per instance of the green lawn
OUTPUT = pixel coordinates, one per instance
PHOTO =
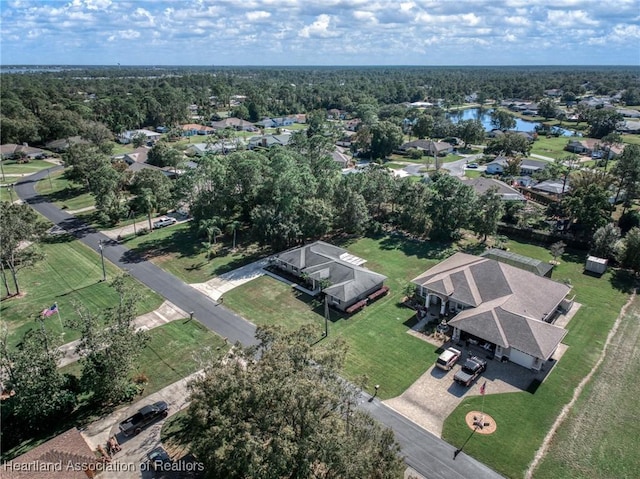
(11, 167)
(601, 436)
(7, 194)
(551, 147)
(70, 274)
(57, 189)
(174, 351)
(179, 251)
(472, 173)
(379, 346)
(523, 419)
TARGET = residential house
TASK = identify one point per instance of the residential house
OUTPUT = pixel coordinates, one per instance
(300, 118)
(332, 271)
(126, 137)
(335, 114)
(63, 144)
(11, 150)
(430, 147)
(235, 123)
(506, 309)
(482, 185)
(527, 166)
(201, 149)
(495, 133)
(342, 159)
(554, 188)
(353, 125)
(593, 147)
(628, 112)
(50, 459)
(275, 122)
(346, 139)
(139, 155)
(629, 127)
(267, 141)
(193, 129)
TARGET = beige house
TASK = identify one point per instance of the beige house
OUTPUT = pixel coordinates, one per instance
(506, 309)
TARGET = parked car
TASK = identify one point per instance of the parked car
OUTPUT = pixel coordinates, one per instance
(448, 358)
(159, 459)
(471, 369)
(472, 165)
(164, 221)
(145, 416)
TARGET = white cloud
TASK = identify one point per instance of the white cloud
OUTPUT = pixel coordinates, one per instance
(319, 28)
(124, 35)
(257, 15)
(569, 18)
(518, 21)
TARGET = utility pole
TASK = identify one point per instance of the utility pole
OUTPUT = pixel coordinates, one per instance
(104, 271)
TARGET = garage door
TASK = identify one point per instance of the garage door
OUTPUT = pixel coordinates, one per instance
(521, 358)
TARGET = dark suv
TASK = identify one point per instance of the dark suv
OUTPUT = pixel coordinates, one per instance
(471, 369)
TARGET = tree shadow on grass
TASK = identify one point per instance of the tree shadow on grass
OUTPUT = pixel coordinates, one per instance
(623, 280)
(427, 249)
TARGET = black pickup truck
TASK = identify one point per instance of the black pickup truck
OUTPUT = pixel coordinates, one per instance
(471, 369)
(144, 417)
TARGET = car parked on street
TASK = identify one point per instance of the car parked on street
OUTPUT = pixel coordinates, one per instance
(448, 358)
(164, 221)
(471, 369)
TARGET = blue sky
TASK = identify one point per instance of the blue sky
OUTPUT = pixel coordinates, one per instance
(320, 32)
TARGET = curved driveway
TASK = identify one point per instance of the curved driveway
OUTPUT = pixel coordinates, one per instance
(427, 454)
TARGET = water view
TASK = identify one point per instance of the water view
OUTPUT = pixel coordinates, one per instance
(485, 118)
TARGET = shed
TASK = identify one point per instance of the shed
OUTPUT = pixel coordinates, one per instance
(596, 265)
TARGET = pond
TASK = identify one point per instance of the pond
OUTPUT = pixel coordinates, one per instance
(485, 117)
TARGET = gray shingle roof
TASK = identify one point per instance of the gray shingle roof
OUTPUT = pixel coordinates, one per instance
(508, 305)
(322, 261)
(536, 266)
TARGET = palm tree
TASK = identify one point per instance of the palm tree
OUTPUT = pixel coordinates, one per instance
(232, 227)
(210, 228)
(147, 201)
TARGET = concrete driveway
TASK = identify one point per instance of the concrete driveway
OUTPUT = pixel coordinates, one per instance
(131, 462)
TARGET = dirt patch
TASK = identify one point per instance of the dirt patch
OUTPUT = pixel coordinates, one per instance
(481, 422)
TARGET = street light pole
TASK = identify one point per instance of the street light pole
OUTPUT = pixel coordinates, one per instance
(104, 271)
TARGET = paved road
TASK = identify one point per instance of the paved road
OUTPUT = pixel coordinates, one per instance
(429, 455)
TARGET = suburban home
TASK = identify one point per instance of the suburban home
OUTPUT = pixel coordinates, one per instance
(63, 144)
(50, 460)
(345, 139)
(139, 155)
(11, 150)
(628, 112)
(629, 126)
(352, 125)
(506, 192)
(201, 149)
(527, 166)
(554, 188)
(507, 310)
(235, 123)
(193, 129)
(430, 147)
(335, 114)
(334, 272)
(127, 137)
(342, 159)
(267, 141)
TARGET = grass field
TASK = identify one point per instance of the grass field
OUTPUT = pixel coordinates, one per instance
(552, 147)
(70, 274)
(174, 351)
(58, 190)
(523, 418)
(379, 346)
(601, 436)
(11, 167)
(179, 251)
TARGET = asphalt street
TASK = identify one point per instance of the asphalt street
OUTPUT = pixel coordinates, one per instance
(427, 454)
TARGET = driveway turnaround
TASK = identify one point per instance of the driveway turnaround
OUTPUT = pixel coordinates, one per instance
(426, 453)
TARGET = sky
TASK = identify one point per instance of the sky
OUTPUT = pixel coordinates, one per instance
(320, 32)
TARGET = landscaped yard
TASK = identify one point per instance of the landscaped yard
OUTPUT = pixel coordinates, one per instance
(69, 275)
(523, 418)
(57, 189)
(12, 167)
(179, 251)
(601, 436)
(379, 346)
(552, 147)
